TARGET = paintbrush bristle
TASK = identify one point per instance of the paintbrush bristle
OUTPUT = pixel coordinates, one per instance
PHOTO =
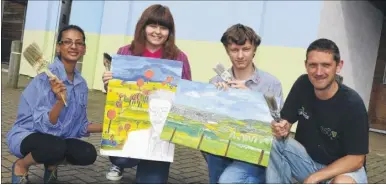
(222, 72)
(34, 56)
(107, 57)
(219, 69)
(271, 102)
(273, 108)
(107, 61)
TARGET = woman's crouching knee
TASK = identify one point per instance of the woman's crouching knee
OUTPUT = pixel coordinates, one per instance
(89, 157)
(83, 156)
(50, 154)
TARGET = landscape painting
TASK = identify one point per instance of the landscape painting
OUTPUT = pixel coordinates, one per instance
(127, 125)
(233, 123)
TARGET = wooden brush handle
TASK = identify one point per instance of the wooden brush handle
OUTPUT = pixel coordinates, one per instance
(64, 100)
(49, 74)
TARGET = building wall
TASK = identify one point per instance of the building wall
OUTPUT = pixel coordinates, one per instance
(40, 27)
(286, 29)
(356, 27)
(377, 107)
(198, 30)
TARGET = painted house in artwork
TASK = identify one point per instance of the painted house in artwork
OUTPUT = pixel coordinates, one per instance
(286, 28)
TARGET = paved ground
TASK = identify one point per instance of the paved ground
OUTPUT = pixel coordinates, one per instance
(189, 166)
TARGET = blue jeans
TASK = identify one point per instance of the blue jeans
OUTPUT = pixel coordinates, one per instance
(289, 159)
(148, 172)
(224, 170)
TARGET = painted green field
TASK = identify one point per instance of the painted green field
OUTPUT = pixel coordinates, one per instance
(246, 140)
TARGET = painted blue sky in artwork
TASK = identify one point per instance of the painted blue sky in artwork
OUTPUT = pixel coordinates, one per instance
(131, 68)
(239, 104)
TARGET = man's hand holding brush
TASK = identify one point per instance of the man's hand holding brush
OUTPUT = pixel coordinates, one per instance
(280, 129)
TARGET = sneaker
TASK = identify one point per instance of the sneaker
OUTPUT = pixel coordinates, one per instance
(50, 176)
(22, 179)
(115, 173)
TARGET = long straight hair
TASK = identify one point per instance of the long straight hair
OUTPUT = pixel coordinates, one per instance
(155, 14)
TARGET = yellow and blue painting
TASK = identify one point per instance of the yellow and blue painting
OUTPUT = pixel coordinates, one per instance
(234, 123)
(126, 109)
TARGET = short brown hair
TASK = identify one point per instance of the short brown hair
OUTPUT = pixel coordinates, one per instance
(326, 45)
(155, 14)
(239, 34)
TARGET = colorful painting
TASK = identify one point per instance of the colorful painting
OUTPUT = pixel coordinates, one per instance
(127, 126)
(233, 123)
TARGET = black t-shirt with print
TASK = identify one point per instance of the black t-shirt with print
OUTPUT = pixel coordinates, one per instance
(328, 129)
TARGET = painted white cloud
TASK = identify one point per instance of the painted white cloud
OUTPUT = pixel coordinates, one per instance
(228, 102)
(233, 94)
(193, 94)
(241, 95)
(209, 94)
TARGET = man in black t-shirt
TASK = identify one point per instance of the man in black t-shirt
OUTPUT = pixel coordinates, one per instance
(332, 139)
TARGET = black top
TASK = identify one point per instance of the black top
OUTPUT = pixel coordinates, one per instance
(328, 129)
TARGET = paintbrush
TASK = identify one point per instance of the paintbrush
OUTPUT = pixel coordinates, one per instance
(222, 72)
(273, 107)
(107, 61)
(34, 56)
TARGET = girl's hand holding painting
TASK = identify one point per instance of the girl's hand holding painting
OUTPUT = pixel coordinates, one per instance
(107, 76)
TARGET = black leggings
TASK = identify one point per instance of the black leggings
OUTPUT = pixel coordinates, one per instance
(51, 150)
